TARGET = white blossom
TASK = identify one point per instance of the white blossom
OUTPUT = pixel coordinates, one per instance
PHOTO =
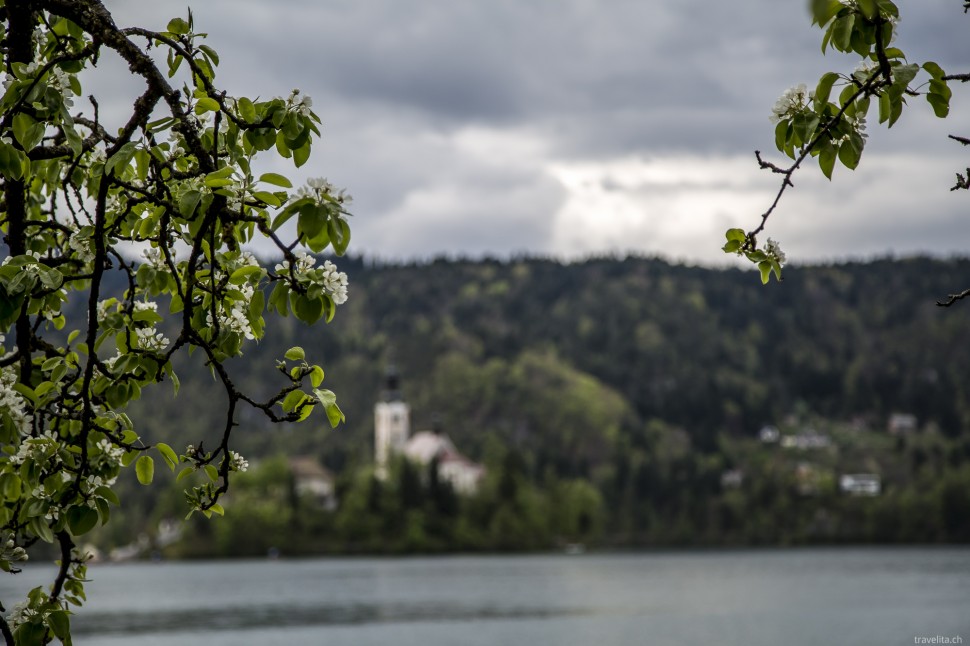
(237, 318)
(791, 103)
(82, 247)
(13, 402)
(237, 462)
(21, 614)
(304, 262)
(150, 339)
(146, 306)
(153, 256)
(335, 282)
(773, 249)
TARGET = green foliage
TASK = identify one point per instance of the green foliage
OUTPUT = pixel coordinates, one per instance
(808, 123)
(646, 400)
(77, 347)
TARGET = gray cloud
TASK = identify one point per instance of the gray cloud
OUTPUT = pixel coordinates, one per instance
(446, 119)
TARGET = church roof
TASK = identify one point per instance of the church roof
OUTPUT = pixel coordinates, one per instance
(425, 446)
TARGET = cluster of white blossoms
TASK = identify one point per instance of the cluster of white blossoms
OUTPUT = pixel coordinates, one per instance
(29, 267)
(153, 256)
(151, 339)
(13, 403)
(335, 282)
(57, 78)
(332, 280)
(10, 551)
(21, 614)
(42, 449)
(304, 263)
(773, 249)
(864, 70)
(236, 319)
(237, 462)
(300, 104)
(110, 455)
(148, 337)
(320, 189)
(83, 247)
(791, 102)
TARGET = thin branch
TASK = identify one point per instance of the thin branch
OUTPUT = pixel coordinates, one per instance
(953, 298)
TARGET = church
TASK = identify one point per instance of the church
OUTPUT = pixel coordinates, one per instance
(392, 437)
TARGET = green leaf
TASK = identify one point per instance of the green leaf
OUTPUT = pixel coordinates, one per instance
(241, 275)
(868, 8)
(81, 519)
(267, 197)
(903, 74)
(206, 104)
(168, 454)
(212, 472)
(12, 161)
(145, 469)
(782, 131)
(293, 400)
(824, 88)
(184, 473)
(308, 310)
(276, 180)
(247, 111)
(120, 159)
(27, 131)
(188, 202)
(824, 10)
(216, 508)
(826, 158)
(312, 221)
(885, 107)
(301, 155)
(842, 32)
(850, 151)
(895, 109)
(339, 235)
(765, 267)
(892, 52)
(934, 70)
(316, 376)
(941, 88)
(59, 620)
(178, 26)
(329, 402)
(941, 105)
(295, 354)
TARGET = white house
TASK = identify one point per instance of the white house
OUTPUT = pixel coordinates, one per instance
(860, 484)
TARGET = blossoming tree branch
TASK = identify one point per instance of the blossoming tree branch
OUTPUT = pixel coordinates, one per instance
(809, 124)
(175, 184)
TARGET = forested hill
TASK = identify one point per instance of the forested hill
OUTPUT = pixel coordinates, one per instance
(563, 359)
(630, 389)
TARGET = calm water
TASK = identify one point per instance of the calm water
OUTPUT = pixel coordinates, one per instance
(750, 598)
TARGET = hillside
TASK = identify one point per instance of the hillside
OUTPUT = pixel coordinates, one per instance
(646, 379)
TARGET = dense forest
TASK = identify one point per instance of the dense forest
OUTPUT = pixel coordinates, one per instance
(608, 400)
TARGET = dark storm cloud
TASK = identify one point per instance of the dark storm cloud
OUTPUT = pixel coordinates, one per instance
(444, 117)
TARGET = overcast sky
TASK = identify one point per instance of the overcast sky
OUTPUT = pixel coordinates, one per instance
(580, 127)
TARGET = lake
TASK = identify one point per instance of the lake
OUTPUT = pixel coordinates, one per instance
(843, 596)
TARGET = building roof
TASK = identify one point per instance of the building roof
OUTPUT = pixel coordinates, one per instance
(305, 468)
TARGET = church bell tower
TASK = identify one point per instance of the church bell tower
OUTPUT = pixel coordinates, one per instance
(391, 423)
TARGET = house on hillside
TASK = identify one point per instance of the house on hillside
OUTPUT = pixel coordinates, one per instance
(312, 480)
(392, 436)
(902, 423)
(860, 484)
